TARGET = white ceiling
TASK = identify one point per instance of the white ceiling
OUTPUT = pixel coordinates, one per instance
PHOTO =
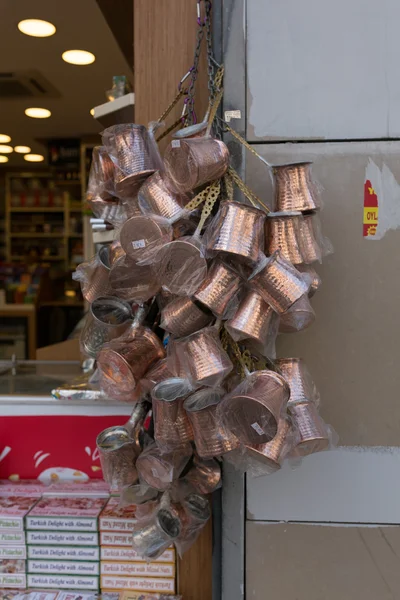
(80, 25)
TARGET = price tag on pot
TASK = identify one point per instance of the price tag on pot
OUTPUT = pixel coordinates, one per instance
(176, 143)
(257, 428)
(138, 244)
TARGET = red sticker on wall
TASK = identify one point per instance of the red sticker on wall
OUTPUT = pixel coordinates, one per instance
(370, 220)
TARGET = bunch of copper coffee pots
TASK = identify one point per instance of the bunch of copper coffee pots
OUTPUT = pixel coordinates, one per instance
(184, 313)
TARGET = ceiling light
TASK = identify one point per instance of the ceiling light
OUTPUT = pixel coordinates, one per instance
(22, 149)
(92, 112)
(78, 57)
(36, 27)
(6, 149)
(3, 159)
(37, 113)
(34, 157)
(4, 139)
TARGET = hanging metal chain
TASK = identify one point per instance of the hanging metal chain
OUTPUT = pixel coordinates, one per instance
(250, 195)
(210, 54)
(241, 139)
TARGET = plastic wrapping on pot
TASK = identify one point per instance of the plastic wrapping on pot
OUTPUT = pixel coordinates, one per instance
(194, 512)
(190, 163)
(163, 369)
(314, 435)
(279, 283)
(157, 198)
(295, 188)
(172, 427)
(211, 437)
(159, 469)
(142, 237)
(101, 175)
(123, 362)
(152, 536)
(183, 316)
(254, 320)
(315, 245)
(298, 377)
(299, 316)
(139, 283)
(204, 476)
(253, 409)
(316, 280)
(181, 266)
(93, 276)
(108, 318)
(219, 289)
(203, 358)
(134, 154)
(118, 452)
(236, 231)
(137, 494)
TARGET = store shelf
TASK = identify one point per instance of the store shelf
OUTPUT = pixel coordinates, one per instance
(75, 235)
(40, 259)
(37, 235)
(24, 209)
(117, 111)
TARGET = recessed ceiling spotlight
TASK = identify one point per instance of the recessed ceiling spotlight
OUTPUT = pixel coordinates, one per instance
(22, 149)
(3, 159)
(38, 113)
(4, 138)
(34, 157)
(78, 57)
(36, 28)
(6, 149)
(92, 112)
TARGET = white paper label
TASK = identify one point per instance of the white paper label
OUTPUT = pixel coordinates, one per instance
(232, 114)
(176, 143)
(257, 428)
(138, 244)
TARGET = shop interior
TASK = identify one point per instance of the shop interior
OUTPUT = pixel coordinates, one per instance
(53, 76)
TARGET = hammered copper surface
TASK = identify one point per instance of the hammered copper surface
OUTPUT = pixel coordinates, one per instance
(316, 280)
(181, 267)
(299, 316)
(160, 470)
(205, 475)
(95, 276)
(137, 282)
(159, 372)
(311, 249)
(156, 198)
(313, 433)
(150, 540)
(101, 175)
(182, 317)
(205, 358)
(294, 187)
(272, 453)
(302, 387)
(139, 235)
(118, 455)
(190, 163)
(252, 411)
(107, 319)
(279, 283)
(283, 233)
(253, 319)
(123, 363)
(171, 424)
(131, 148)
(238, 230)
(210, 436)
(218, 288)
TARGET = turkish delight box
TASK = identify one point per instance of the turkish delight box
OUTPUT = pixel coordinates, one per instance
(138, 584)
(12, 565)
(13, 580)
(13, 538)
(128, 554)
(63, 582)
(107, 538)
(114, 518)
(25, 487)
(128, 569)
(64, 552)
(13, 510)
(79, 538)
(69, 513)
(92, 487)
(78, 596)
(9, 551)
(12, 594)
(60, 567)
